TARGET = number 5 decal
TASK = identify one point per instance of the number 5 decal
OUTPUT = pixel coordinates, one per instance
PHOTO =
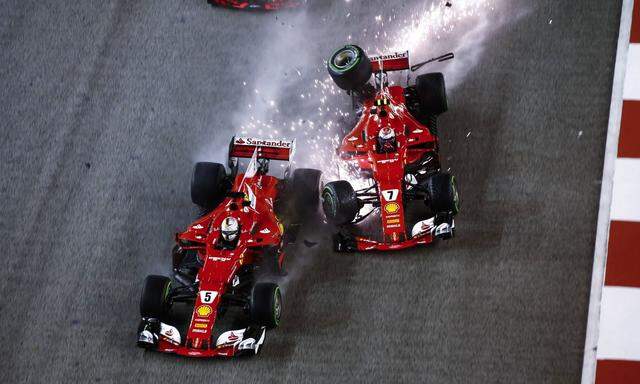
(390, 194)
(207, 297)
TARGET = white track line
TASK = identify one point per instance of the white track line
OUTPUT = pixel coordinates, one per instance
(602, 235)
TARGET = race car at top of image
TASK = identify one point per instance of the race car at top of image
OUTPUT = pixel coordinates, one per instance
(393, 151)
(267, 5)
(232, 256)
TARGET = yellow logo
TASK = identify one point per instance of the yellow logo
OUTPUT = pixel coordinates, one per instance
(392, 207)
(204, 311)
(200, 325)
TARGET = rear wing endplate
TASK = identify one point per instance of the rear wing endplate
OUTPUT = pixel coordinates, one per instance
(271, 149)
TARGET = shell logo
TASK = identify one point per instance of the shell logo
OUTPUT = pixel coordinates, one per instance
(391, 207)
(204, 311)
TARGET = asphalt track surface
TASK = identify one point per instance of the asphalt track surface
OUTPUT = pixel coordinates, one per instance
(105, 105)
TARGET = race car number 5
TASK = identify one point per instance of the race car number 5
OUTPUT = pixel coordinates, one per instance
(207, 297)
(390, 194)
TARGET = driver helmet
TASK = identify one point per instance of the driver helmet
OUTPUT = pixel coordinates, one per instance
(230, 228)
(387, 140)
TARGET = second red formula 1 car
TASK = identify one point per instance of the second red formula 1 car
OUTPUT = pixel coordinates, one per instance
(229, 257)
(393, 151)
(267, 5)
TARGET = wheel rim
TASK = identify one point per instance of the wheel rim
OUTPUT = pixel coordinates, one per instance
(328, 205)
(277, 306)
(456, 197)
(165, 297)
(345, 59)
(165, 294)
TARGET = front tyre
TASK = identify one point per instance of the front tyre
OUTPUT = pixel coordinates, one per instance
(340, 202)
(442, 193)
(266, 305)
(154, 302)
(350, 68)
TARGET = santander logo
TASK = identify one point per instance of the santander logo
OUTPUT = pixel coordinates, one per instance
(262, 142)
(393, 56)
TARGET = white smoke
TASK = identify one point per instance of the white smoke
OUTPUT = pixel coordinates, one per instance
(290, 94)
(427, 30)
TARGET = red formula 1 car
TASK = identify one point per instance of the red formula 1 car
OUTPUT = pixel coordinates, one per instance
(267, 5)
(393, 151)
(226, 258)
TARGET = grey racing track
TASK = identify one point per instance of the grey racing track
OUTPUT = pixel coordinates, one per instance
(105, 105)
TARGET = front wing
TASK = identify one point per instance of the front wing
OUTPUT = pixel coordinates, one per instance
(423, 233)
(161, 337)
(346, 243)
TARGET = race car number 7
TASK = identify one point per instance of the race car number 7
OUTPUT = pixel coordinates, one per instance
(390, 194)
(207, 297)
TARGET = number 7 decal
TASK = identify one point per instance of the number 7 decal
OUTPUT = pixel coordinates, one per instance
(390, 194)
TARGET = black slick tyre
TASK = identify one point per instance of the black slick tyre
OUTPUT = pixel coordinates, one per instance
(266, 305)
(208, 184)
(339, 202)
(350, 68)
(432, 94)
(442, 193)
(305, 187)
(155, 292)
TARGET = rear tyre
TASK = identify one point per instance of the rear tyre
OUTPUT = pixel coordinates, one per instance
(208, 185)
(442, 193)
(432, 94)
(339, 202)
(155, 292)
(266, 305)
(306, 191)
(350, 68)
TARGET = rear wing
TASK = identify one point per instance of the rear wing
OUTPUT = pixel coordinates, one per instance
(400, 62)
(393, 62)
(270, 149)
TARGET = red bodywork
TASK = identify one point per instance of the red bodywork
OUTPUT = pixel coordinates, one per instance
(414, 142)
(259, 228)
(267, 5)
